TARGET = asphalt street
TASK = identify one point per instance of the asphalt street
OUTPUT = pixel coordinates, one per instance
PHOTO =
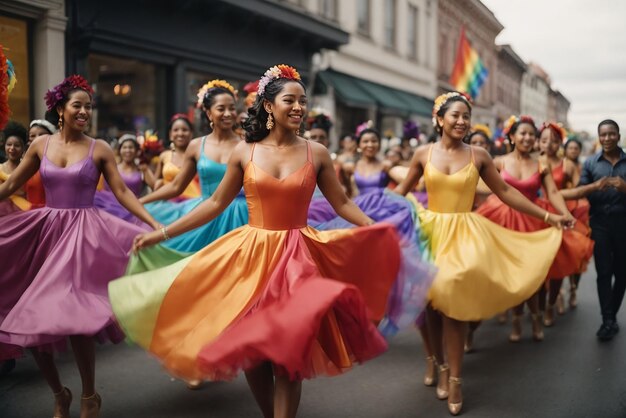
(570, 374)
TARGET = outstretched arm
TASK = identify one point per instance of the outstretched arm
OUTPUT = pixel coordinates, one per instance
(209, 209)
(332, 190)
(416, 170)
(25, 170)
(182, 179)
(124, 195)
(510, 195)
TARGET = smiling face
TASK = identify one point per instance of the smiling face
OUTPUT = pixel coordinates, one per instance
(289, 106)
(14, 149)
(76, 112)
(479, 140)
(128, 151)
(524, 137)
(456, 120)
(549, 142)
(180, 134)
(222, 112)
(609, 137)
(369, 144)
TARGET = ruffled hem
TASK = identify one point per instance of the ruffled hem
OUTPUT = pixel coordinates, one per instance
(234, 300)
(484, 268)
(58, 286)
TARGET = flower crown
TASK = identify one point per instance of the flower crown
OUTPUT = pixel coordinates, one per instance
(318, 117)
(482, 128)
(276, 72)
(61, 91)
(556, 128)
(365, 125)
(443, 99)
(214, 84)
(512, 120)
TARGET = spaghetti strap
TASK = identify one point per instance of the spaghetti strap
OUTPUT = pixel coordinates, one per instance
(472, 155)
(45, 147)
(309, 153)
(252, 151)
(91, 147)
(430, 152)
(202, 147)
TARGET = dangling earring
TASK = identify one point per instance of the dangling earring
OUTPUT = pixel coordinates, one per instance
(298, 131)
(270, 122)
(60, 124)
(211, 124)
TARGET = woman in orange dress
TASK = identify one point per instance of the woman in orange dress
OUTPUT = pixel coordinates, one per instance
(274, 298)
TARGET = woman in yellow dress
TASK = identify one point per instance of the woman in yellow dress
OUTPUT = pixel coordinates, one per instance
(484, 269)
(14, 146)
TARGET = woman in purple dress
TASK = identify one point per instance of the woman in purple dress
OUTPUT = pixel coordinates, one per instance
(54, 286)
(135, 176)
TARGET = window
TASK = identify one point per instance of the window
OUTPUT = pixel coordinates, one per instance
(412, 32)
(363, 16)
(328, 9)
(390, 23)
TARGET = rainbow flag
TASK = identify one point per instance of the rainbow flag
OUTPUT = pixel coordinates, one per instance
(469, 72)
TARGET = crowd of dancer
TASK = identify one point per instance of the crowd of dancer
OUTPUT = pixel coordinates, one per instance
(255, 249)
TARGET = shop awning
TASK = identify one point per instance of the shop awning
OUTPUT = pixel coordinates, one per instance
(357, 92)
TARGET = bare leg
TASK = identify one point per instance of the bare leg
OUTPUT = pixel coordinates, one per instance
(516, 323)
(286, 397)
(431, 361)
(261, 383)
(454, 336)
(62, 396)
(85, 355)
(533, 305)
(469, 339)
(435, 329)
(573, 283)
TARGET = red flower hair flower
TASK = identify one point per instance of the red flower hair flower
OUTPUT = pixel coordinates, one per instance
(61, 91)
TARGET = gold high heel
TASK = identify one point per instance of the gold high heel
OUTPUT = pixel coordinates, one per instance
(90, 406)
(516, 333)
(63, 399)
(442, 392)
(537, 329)
(431, 368)
(455, 407)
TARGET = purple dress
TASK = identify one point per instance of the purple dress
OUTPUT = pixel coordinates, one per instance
(106, 200)
(382, 205)
(63, 256)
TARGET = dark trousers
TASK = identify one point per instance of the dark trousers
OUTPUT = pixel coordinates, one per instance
(609, 234)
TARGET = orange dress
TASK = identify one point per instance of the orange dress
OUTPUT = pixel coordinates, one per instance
(274, 290)
(35, 192)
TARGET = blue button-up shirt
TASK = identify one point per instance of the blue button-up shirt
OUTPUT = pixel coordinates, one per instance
(608, 201)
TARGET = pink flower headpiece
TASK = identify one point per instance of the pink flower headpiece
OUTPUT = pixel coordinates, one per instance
(512, 120)
(61, 91)
(276, 72)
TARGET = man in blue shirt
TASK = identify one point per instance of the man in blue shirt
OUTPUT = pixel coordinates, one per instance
(603, 181)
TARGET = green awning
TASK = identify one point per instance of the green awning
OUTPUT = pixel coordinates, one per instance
(358, 92)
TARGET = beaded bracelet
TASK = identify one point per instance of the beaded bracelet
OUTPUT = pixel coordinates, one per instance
(166, 236)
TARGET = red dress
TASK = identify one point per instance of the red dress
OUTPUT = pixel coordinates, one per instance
(576, 248)
(35, 193)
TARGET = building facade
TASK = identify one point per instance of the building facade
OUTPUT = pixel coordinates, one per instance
(511, 69)
(386, 72)
(481, 29)
(148, 59)
(534, 93)
(558, 107)
(33, 35)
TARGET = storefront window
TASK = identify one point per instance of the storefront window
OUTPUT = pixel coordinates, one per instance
(14, 39)
(129, 96)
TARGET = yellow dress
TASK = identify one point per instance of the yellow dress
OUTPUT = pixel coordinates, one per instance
(484, 268)
(170, 171)
(19, 201)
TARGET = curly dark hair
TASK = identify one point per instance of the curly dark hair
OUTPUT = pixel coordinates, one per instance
(257, 115)
(211, 94)
(320, 121)
(17, 130)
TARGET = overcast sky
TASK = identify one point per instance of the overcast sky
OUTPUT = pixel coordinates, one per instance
(582, 46)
